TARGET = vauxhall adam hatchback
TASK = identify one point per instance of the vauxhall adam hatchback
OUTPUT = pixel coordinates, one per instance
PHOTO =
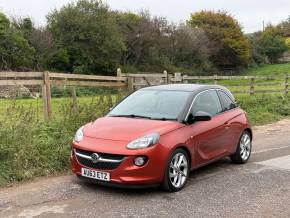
(157, 135)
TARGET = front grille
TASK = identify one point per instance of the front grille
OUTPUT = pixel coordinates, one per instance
(99, 165)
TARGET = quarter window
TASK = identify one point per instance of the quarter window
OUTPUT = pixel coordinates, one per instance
(227, 102)
(207, 102)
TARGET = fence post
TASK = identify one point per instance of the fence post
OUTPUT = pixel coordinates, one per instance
(215, 79)
(170, 78)
(286, 84)
(75, 107)
(46, 95)
(130, 83)
(252, 86)
(177, 77)
(165, 77)
(119, 72)
(184, 79)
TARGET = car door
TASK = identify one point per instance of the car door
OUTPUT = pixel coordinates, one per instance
(208, 136)
(232, 125)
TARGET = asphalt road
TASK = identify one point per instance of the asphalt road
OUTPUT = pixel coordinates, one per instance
(260, 188)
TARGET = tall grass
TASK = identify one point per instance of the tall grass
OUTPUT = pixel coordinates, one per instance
(30, 147)
(265, 108)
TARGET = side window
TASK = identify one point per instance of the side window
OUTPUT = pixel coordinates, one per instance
(208, 102)
(227, 102)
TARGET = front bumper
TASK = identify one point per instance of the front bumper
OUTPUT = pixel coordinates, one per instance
(127, 173)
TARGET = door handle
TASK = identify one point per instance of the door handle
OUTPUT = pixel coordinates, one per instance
(227, 124)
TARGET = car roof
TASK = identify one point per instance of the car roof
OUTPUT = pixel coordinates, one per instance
(195, 88)
(184, 87)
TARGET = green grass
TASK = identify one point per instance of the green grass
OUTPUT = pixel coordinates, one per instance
(265, 108)
(275, 79)
(261, 85)
(269, 69)
(37, 105)
(30, 147)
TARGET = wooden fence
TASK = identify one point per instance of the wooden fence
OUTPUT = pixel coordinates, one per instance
(44, 80)
(237, 84)
(252, 82)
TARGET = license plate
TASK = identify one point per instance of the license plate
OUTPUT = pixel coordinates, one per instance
(103, 176)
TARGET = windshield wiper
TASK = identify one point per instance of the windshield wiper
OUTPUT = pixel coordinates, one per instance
(131, 116)
(141, 116)
(164, 119)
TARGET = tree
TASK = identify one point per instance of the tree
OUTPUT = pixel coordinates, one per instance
(86, 37)
(4, 23)
(129, 25)
(223, 30)
(287, 42)
(146, 39)
(38, 38)
(26, 26)
(15, 51)
(258, 53)
(273, 43)
(190, 48)
(284, 27)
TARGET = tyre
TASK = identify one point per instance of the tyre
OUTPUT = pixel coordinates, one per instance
(177, 171)
(244, 149)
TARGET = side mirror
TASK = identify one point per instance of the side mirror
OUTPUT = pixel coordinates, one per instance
(199, 116)
(202, 116)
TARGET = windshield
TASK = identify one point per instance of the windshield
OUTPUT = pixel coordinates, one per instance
(152, 104)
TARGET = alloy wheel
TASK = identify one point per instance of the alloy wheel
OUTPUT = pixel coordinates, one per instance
(245, 146)
(178, 170)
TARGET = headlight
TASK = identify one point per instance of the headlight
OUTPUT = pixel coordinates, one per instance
(144, 142)
(79, 135)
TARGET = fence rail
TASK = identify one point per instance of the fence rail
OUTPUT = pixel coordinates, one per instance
(44, 80)
(250, 84)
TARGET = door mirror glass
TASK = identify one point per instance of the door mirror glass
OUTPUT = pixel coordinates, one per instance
(202, 116)
(199, 116)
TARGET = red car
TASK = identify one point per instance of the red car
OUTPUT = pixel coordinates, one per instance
(157, 135)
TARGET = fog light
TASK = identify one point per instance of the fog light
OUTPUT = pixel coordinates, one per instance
(140, 161)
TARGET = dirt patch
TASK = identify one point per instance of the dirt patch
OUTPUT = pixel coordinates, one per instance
(272, 136)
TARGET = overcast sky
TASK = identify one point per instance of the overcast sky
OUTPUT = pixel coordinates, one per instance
(250, 13)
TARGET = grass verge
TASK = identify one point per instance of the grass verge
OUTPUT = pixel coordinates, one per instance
(30, 147)
(268, 69)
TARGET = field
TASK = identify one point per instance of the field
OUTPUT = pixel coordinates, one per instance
(272, 79)
(270, 69)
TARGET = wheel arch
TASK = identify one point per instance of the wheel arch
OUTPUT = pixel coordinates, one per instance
(249, 130)
(183, 147)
